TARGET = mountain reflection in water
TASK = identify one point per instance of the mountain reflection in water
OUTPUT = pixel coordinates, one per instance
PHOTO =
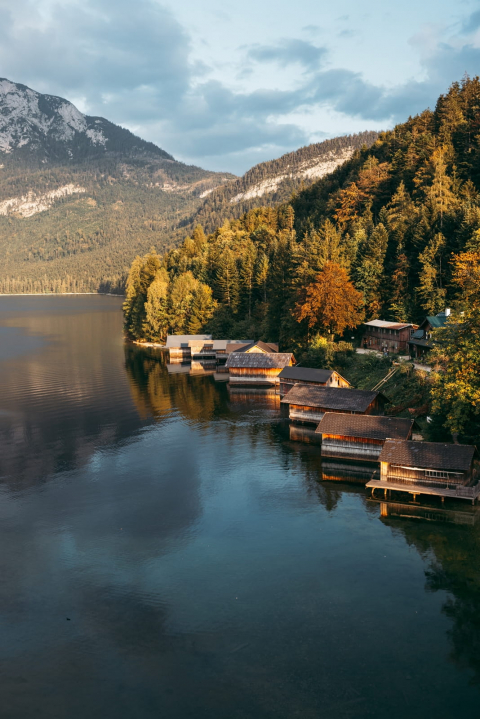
(170, 548)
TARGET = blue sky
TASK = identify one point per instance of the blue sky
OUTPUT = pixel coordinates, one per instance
(228, 84)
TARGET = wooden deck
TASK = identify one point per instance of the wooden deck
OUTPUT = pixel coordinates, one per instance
(460, 492)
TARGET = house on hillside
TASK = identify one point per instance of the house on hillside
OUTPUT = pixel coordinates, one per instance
(420, 342)
(257, 368)
(392, 337)
(291, 376)
(307, 403)
(359, 437)
(428, 468)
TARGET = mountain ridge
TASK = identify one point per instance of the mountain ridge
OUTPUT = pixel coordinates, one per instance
(81, 196)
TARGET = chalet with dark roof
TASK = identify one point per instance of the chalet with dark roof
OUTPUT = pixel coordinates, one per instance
(308, 403)
(291, 376)
(257, 368)
(358, 436)
(446, 470)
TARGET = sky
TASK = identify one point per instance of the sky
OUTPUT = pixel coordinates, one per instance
(225, 84)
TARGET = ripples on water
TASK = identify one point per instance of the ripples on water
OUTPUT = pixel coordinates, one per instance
(169, 550)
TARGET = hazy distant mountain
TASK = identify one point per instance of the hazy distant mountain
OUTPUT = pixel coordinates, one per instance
(270, 183)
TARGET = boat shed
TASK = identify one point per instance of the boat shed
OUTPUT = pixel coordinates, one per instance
(308, 403)
(257, 368)
(359, 436)
(428, 468)
(180, 346)
(290, 376)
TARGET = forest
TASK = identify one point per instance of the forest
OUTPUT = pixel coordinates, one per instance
(394, 233)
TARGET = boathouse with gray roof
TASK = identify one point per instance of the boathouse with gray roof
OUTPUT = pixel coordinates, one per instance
(359, 436)
(257, 368)
(437, 468)
(308, 403)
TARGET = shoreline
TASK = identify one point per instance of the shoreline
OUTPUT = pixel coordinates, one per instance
(56, 294)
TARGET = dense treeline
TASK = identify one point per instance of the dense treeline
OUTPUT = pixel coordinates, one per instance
(219, 205)
(383, 236)
(91, 237)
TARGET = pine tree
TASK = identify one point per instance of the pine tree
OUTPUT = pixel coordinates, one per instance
(202, 308)
(156, 322)
(370, 273)
(430, 289)
(227, 280)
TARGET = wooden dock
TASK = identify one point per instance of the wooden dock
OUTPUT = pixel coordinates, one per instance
(460, 492)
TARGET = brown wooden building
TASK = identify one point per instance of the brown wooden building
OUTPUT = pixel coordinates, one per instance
(359, 437)
(428, 468)
(257, 368)
(291, 376)
(392, 336)
(308, 403)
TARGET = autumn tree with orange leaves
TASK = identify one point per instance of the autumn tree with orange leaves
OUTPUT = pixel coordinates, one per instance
(331, 303)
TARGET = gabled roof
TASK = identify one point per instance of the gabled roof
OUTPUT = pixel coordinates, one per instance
(307, 374)
(237, 345)
(365, 425)
(343, 398)
(388, 325)
(177, 340)
(260, 360)
(265, 346)
(435, 321)
(428, 455)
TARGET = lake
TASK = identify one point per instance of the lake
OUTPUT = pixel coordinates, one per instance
(168, 550)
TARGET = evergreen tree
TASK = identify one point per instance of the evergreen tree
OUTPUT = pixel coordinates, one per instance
(430, 289)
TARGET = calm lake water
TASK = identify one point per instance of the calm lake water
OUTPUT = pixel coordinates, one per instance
(168, 551)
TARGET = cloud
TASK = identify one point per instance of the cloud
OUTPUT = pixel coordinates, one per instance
(472, 23)
(288, 52)
(141, 69)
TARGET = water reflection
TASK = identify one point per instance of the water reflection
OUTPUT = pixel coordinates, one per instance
(206, 567)
(62, 385)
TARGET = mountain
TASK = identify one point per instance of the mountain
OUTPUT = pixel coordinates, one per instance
(50, 129)
(81, 196)
(274, 182)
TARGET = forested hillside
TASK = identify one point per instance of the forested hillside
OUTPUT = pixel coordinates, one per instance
(392, 233)
(272, 183)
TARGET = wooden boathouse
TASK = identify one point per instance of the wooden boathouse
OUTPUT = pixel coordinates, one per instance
(358, 436)
(290, 376)
(257, 368)
(445, 470)
(183, 348)
(308, 403)
(180, 346)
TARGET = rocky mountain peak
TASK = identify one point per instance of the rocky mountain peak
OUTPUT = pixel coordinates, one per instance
(49, 128)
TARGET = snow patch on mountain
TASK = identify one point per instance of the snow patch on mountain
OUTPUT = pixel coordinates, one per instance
(32, 203)
(311, 169)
